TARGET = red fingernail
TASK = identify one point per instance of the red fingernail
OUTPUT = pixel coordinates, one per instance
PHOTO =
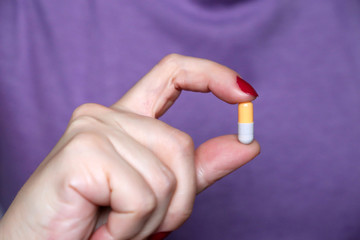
(159, 236)
(246, 87)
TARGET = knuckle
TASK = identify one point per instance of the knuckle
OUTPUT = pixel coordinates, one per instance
(145, 205)
(87, 116)
(177, 68)
(171, 58)
(86, 140)
(172, 64)
(167, 183)
(83, 122)
(87, 109)
(182, 141)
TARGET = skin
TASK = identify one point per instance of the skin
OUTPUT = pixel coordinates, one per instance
(120, 173)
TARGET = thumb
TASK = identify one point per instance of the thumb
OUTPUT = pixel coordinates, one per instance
(159, 89)
(220, 156)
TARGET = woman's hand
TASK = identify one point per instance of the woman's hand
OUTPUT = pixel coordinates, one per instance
(121, 168)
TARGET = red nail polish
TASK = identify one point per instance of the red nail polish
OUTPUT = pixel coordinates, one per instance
(246, 87)
(159, 236)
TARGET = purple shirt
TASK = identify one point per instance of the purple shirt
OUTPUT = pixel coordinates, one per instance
(302, 57)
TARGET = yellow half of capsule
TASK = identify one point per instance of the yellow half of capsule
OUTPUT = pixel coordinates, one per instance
(246, 112)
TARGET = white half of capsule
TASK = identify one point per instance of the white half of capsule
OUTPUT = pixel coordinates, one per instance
(246, 132)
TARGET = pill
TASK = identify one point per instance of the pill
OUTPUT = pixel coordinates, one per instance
(245, 123)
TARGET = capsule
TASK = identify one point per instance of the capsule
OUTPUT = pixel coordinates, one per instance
(245, 123)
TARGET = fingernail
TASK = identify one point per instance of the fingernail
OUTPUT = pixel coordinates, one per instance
(159, 236)
(246, 87)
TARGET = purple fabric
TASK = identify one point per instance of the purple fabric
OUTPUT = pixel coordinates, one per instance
(303, 58)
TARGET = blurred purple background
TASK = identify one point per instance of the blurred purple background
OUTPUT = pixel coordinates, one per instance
(302, 57)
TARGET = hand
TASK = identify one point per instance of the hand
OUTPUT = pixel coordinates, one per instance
(123, 164)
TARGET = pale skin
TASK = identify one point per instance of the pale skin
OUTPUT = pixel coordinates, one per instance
(121, 163)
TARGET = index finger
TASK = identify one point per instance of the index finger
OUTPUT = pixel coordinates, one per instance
(159, 89)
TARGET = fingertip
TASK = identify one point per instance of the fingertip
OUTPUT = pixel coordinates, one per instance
(233, 90)
(254, 148)
(102, 233)
(246, 87)
(220, 156)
